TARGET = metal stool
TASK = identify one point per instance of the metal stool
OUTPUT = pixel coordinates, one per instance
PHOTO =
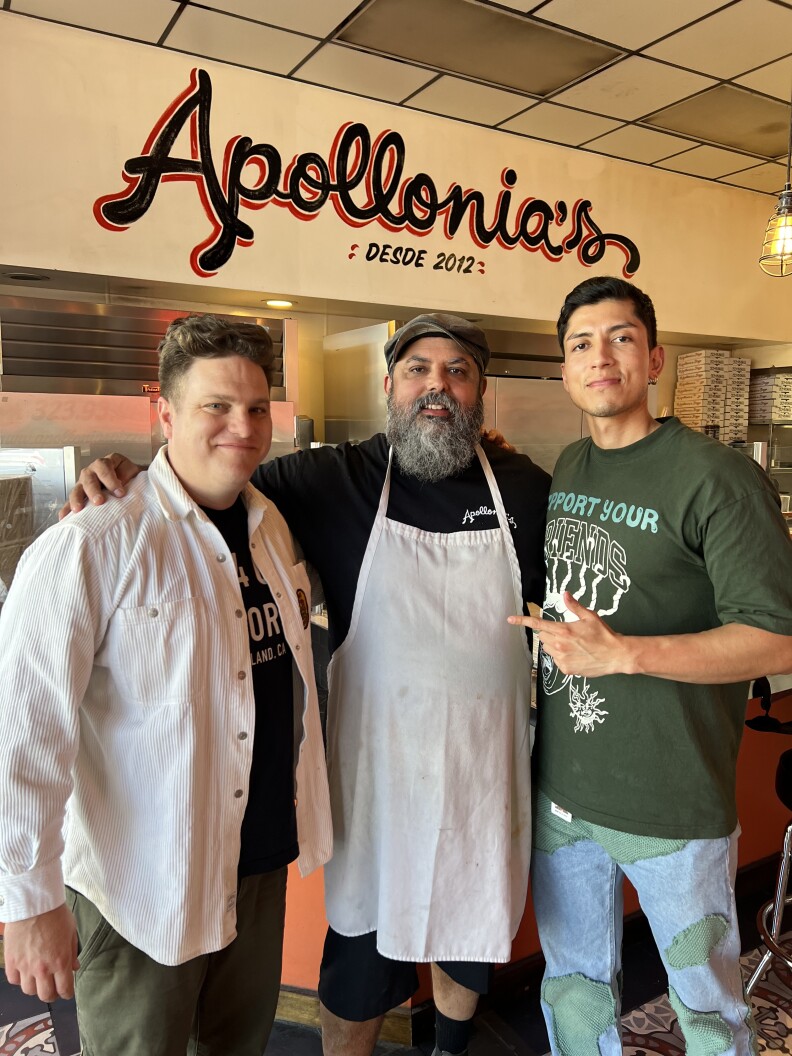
(782, 899)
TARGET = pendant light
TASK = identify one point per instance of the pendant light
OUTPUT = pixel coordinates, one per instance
(776, 258)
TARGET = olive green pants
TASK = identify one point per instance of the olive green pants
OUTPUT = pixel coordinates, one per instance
(218, 1004)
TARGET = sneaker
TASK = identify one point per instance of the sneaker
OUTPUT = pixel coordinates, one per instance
(438, 1052)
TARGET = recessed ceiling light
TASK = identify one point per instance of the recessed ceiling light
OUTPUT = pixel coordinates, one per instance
(26, 276)
(279, 304)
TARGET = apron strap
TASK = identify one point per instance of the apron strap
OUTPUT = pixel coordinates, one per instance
(382, 509)
(503, 521)
(368, 559)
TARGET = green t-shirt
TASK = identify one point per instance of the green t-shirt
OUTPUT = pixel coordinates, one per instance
(674, 534)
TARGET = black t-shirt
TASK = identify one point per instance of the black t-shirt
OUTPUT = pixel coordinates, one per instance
(269, 827)
(329, 497)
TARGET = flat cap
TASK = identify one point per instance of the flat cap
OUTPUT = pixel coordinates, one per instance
(468, 336)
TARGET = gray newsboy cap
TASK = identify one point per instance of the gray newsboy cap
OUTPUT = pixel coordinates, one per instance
(467, 335)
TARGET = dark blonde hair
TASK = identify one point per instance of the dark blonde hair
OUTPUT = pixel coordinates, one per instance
(209, 337)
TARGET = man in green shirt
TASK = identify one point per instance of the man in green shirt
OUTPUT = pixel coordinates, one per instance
(669, 586)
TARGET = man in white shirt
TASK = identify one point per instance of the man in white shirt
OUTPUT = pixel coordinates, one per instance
(428, 708)
(155, 683)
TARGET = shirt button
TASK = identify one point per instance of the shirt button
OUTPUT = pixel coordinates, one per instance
(297, 648)
(278, 594)
(221, 557)
(252, 546)
(242, 736)
(239, 614)
(241, 675)
(238, 794)
(153, 612)
(2, 900)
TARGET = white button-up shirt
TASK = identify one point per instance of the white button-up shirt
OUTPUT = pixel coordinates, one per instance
(127, 716)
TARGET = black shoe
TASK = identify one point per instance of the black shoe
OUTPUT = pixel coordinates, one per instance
(438, 1052)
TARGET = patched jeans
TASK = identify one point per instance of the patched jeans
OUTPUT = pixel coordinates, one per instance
(686, 890)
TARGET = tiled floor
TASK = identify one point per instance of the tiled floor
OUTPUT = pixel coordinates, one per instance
(506, 1029)
(653, 1027)
(29, 1028)
(649, 1029)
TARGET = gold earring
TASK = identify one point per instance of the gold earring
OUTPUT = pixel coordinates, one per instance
(653, 380)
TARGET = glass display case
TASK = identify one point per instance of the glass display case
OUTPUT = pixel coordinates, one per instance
(34, 483)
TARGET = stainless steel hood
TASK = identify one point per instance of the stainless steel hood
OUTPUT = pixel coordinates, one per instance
(73, 373)
(95, 349)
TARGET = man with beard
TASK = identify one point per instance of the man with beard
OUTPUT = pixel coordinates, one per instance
(424, 539)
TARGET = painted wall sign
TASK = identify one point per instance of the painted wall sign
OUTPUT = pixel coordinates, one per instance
(362, 179)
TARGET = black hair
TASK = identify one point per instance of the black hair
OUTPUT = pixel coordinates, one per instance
(607, 288)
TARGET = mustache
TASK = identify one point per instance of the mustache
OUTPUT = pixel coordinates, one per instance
(435, 399)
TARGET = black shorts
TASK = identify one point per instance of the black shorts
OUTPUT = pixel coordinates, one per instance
(356, 982)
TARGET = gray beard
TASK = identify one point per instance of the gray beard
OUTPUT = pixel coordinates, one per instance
(432, 450)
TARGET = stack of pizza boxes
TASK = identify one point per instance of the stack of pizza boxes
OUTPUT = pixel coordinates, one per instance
(700, 399)
(735, 411)
(771, 395)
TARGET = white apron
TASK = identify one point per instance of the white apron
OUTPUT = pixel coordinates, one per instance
(429, 745)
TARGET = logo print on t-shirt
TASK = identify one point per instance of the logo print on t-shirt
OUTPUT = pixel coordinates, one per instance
(583, 559)
(302, 601)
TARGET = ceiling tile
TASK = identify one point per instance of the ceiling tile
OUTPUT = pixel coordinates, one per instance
(638, 144)
(625, 22)
(773, 79)
(708, 161)
(302, 16)
(143, 20)
(769, 178)
(469, 101)
(632, 88)
(560, 124)
(219, 36)
(732, 117)
(726, 44)
(480, 42)
(356, 71)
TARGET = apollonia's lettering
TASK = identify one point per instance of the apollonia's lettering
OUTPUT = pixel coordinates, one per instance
(362, 179)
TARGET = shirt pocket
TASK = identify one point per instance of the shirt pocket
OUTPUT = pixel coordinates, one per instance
(160, 651)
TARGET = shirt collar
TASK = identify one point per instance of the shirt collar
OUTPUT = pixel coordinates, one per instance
(176, 504)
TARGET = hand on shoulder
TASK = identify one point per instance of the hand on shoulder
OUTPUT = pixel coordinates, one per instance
(102, 478)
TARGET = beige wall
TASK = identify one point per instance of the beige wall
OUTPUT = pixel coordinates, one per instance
(769, 355)
(80, 104)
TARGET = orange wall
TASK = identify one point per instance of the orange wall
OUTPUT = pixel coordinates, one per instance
(762, 817)
(306, 925)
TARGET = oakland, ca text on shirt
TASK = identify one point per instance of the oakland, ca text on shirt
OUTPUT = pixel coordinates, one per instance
(263, 622)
